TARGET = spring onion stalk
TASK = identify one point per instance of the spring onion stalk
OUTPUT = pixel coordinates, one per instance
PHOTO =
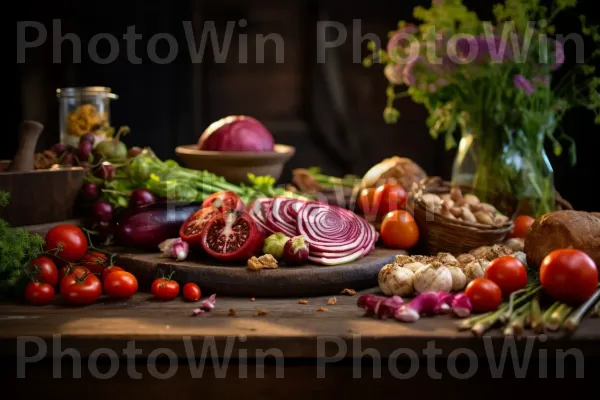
(549, 311)
(596, 311)
(470, 322)
(558, 317)
(516, 322)
(536, 321)
(572, 323)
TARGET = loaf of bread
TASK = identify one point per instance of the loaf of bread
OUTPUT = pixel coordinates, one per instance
(563, 230)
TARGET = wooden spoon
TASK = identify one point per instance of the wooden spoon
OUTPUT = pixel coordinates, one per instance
(24, 160)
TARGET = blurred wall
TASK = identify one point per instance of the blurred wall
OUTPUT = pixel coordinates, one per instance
(331, 112)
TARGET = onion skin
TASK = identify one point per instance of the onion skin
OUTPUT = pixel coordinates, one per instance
(146, 227)
(238, 133)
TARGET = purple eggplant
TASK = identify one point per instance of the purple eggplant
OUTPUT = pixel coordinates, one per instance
(144, 228)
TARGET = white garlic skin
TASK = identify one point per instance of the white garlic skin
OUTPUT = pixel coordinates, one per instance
(396, 281)
(459, 279)
(431, 279)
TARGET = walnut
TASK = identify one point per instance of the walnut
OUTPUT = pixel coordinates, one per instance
(302, 301)
(263, 262)
(447, 259)
(232, 312)
(464, 259)
(402, 259)
(261, 312)
(332, 301)
(322, 309)
(349, 292)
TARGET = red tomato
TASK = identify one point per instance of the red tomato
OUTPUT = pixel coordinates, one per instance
(484, 295)
(69, 239)
(508, 273)
(38, 293)
(120, 284)
(81, 288)
(365, 201)
(94, 261)
(224, 201)
(389, 197)
(191, 291)
(165, 289)
(569, 275)
(44, 270)
(109, 270)
(522, 225)
(67, 270)
(399, 230)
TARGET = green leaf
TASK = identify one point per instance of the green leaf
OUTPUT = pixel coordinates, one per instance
(4, 198)
(314, 170)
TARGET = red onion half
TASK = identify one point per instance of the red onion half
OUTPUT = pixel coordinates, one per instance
(336, 235)
(236, 133)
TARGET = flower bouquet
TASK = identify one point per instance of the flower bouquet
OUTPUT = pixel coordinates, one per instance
(493, 82)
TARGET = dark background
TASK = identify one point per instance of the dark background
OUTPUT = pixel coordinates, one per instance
(169, 105)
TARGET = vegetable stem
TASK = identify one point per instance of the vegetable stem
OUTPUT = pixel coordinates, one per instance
(574, 320)
(558, 316)
(536, 320)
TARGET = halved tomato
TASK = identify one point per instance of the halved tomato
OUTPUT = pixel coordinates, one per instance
(232, 236)
(192, 228)
(224, 201)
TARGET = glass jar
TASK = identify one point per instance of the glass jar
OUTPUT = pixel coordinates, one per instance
(84, 110)
(507, 165)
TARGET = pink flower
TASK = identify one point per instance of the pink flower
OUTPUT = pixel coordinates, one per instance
(523, 83)
(401, 38)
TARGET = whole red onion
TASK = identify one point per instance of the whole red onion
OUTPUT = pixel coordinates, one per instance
(236, 133)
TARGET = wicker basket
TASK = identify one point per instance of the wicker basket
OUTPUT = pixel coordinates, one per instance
(441, 234)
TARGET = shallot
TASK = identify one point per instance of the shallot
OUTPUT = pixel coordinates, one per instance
(175, 248)
(461, 305)
(423, 304)
(380, 307)
(296, 251)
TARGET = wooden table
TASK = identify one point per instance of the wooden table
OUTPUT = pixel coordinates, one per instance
(302, 345)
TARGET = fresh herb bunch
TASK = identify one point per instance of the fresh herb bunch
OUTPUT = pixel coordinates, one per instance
(17, 249)
(167, 179)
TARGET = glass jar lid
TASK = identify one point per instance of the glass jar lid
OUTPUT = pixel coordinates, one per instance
(100, 91)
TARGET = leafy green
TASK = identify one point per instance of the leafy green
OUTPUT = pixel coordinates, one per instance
(17, 249)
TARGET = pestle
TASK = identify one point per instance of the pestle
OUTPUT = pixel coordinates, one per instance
(29, 132)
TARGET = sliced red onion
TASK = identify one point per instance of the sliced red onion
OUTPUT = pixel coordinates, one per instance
(258, 211)
(336, 235)
(281, 218)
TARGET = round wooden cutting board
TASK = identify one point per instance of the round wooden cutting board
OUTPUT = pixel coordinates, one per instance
(308, 280)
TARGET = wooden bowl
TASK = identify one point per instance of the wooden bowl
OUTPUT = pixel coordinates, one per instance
(40, 196)
(235, 166)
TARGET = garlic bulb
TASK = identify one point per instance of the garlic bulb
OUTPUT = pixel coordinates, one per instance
(464, 259)
(414, 266)
(395, 280)
(431, 279)
(402, 259)
(447, 259)
(459, 279)
(475, 269)
(519, 255)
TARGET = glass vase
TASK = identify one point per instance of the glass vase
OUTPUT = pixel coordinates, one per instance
(507, 164)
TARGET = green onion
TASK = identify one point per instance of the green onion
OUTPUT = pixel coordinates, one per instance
(574, 320)
(537, 322)
(558, 316)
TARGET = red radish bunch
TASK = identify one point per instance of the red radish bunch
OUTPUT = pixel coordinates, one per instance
(336, 235)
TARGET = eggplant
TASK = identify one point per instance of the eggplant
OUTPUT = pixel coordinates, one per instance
(145, 227)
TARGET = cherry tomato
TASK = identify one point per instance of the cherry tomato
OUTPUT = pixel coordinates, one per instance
(365, 201)
(569, 275)
(484, 295)
(399, 230)
(67, 270)
(165, 289)
(389, 197)
(94, 261)
(224, 201)
(81, 288)
(522, 225)
(109, 270)
(508, 273)
(70, 239)
(39, 294)
(44, 270)
(120, 284)
(191, 292)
